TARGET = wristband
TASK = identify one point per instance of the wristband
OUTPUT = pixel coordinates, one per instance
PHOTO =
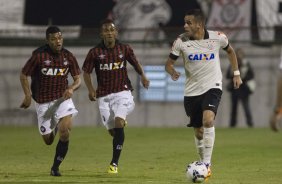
(236, 72)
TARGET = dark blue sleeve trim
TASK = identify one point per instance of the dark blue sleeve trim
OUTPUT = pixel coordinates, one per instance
(173, 57)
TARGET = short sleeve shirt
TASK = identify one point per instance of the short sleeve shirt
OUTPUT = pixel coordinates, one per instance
(49, 73)
(201, 61)
(110, 66)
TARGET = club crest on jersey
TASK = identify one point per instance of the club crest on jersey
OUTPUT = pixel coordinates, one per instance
(54, 71)
(120, 55)
(66, 62)
(102, 56)
(210, 46)
(47, 62)
(201, 57)
(111, 66)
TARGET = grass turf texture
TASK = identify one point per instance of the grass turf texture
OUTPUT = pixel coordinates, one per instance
(150, 155)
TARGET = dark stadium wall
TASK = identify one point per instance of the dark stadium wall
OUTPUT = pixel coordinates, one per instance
(179, 7)
(89, 13)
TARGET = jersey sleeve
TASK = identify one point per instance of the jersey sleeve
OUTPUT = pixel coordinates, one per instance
(223, 40)
(131, 58)
(175, 49)
(88, 64)
(30, 65)
(74, 67)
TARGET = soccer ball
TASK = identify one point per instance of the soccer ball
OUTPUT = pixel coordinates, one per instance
(196, 172)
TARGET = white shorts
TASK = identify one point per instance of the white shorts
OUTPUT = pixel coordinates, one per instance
(115, 105)
(61, 110)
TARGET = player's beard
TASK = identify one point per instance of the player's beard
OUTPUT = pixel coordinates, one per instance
(109, 42)
(57, 48)
(188, 32)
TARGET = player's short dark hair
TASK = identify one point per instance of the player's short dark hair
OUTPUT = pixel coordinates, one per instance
(51, 30)
(198, 14)
(106, 21)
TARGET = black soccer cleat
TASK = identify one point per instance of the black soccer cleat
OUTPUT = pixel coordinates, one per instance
(55, 172)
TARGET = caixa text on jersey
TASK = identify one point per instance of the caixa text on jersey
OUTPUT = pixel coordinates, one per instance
(201, 57)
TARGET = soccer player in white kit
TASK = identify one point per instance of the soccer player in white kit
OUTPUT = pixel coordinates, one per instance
(199, 49)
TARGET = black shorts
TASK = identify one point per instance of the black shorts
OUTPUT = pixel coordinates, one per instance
(195, 106)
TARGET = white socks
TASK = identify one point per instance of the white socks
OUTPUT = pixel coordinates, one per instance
(208, 142)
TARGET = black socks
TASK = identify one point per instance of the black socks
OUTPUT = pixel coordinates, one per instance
(117, 144)
(61, 151)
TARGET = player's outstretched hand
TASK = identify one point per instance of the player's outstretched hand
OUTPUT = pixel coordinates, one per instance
(26, 102)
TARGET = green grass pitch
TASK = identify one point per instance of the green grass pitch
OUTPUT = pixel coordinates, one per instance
(150, 156)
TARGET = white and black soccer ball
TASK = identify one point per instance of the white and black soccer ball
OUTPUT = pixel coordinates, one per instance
(196, 172)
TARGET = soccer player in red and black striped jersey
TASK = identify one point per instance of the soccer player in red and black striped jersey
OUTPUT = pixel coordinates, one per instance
(110, 59)
(48, 68)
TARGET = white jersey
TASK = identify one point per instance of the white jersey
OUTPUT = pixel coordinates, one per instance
(201, 61)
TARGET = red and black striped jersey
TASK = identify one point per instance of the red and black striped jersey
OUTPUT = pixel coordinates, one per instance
(49, 73)
(110, 67)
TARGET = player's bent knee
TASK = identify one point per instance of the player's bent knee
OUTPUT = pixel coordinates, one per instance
(119, 122)
(208, 118)
(208, 121)
(48, 139)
